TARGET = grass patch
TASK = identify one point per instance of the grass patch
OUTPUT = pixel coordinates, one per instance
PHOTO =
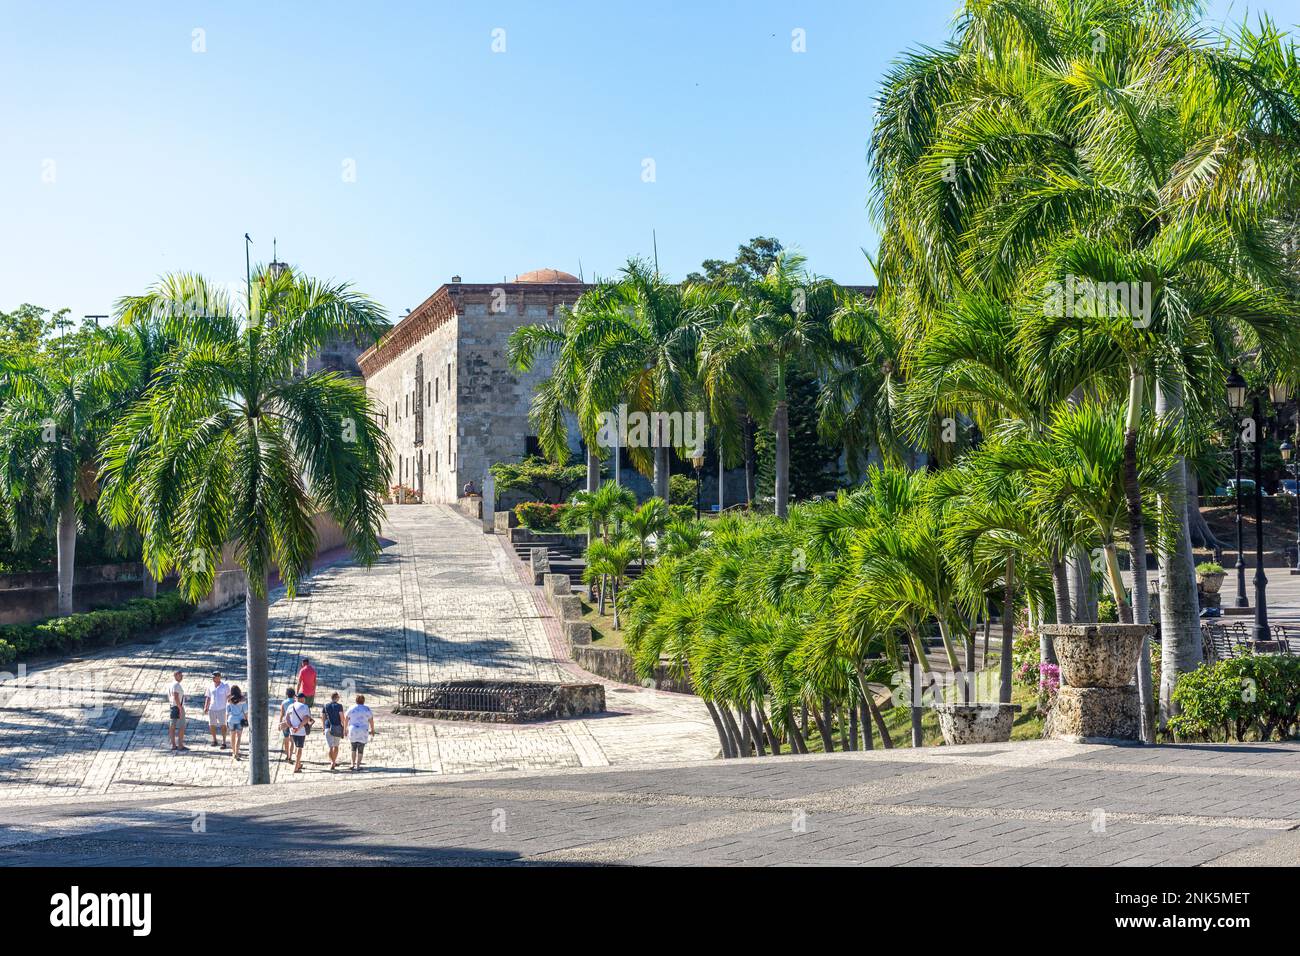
(603, 632)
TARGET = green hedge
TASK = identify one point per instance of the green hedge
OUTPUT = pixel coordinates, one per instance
(92, 629)
(1259, 694)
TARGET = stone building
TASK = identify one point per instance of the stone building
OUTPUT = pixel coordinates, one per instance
(452, 403)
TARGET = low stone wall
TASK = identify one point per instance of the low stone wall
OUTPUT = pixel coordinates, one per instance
(614, 663)
(34, 596)
(471, 506)
(229, 583)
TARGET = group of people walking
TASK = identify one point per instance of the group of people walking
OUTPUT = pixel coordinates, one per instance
(226, 708)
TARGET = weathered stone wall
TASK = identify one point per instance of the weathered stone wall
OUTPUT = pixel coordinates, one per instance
(431, 466)
(492, 398)
(475, 404)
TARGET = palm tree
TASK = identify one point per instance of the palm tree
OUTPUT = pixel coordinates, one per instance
(638, 339)
(1110, 140)
(229, 445)
(610, 560)
(55, 409)
(648, 520)
(780, 320)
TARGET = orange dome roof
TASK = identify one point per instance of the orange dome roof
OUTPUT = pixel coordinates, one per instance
(547, 275)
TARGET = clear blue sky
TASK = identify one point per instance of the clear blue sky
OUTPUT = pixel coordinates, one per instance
(467, 161)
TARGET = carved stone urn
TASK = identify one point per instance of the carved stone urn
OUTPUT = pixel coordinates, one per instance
(1098, 700)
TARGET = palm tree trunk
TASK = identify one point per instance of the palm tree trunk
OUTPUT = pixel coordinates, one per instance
(1008, 630)
(593, 470)
(797, 743)
(773, 741)
(723, 737)
(1138, 546)
(67, 545)
(663, 464)
(1083, 602)
(1201, 533)
(864, 717)
(751, 467)
(149, 584)
(1180, 631)
(886, 741)
(781, 425)
(255, 627)
(948, 647)
(755, 732)
(614, 599)
(1122, 608)
(737, 745)
(853, 727)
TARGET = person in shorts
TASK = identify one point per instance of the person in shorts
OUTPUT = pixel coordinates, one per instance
(290, 698)
(237, 715)
(361, 727)
(334, 728)
(307, 682)
(215, 699)
(298, 717)
(176, 712)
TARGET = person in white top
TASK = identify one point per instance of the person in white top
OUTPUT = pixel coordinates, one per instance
(361, 727)
(298, 716)
(176, 712)
(214, 705)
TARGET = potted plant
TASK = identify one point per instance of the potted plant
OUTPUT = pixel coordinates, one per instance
(1210, 576)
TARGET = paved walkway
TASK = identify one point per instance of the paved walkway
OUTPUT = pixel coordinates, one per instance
(445, 601)
(1033, 803)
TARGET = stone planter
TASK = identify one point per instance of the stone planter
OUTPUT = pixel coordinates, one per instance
(976, 723)
(1098, 700)
(1097, 655)
(1210, 583)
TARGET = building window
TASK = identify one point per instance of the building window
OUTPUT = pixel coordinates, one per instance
(532, 447)
(436, 383)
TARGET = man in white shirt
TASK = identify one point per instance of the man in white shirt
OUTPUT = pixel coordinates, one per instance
(176, 712)
(298, 716)
(215, 699)
(361, 727)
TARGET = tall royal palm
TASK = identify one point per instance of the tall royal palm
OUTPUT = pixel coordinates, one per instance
(54, 412)
(230, 447)
(782, 319)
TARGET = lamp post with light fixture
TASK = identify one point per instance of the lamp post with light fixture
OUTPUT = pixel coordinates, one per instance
(1287, 451)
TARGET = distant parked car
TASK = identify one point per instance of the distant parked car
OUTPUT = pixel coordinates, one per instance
(1230, 489)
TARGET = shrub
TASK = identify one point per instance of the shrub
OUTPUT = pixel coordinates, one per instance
(681, 512)
(1234, 697)
(102, 628)
(539, 515)
(1209, 567)
(681, 491)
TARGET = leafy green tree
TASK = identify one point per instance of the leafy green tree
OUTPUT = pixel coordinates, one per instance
(540, 479)
(231, 446)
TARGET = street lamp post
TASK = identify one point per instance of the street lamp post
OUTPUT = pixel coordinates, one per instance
(1261, 582)
(1288, 452)
(1236, 388)
(698, 462)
